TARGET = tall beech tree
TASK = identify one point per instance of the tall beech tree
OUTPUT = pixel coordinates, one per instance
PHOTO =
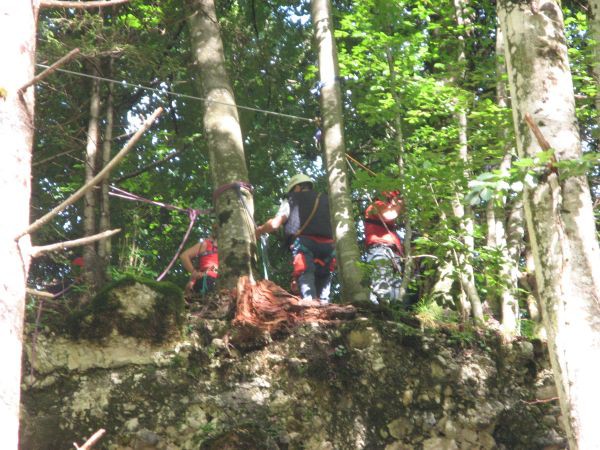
(558, 208)
(354, 286)
(234, 206)
(505, 234)
(594, 28)
(463, 212)
(18, 22)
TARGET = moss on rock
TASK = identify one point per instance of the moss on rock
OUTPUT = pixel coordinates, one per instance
(133, 307)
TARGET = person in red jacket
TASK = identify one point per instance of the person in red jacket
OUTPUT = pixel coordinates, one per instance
(203, 277)
(384, 247)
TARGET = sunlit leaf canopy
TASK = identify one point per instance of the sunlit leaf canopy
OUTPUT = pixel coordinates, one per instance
(402, 84)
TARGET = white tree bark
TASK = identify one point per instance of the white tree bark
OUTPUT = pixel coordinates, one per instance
(508, 239)
(559, 212)
(463, 212)
(594, 27)
(17, 47)
(354, 286)
(237, 242)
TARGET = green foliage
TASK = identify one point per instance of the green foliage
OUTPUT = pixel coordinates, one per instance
(403, 84)
(432, 315)
(500, 183)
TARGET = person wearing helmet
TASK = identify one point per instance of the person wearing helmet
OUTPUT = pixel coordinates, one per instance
(304, 214)
(384, 247)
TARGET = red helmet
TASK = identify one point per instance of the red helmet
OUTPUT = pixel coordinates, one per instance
(77, 261)
(390, 195)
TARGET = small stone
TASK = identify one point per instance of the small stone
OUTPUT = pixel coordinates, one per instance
(132, 424)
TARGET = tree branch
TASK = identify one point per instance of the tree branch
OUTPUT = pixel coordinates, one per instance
(80, 5)
(37, 293)
(544, 144)
(37, 251)
(99, 177)
(91, 441)
(50, 158)
(537, 132)
(49, 70)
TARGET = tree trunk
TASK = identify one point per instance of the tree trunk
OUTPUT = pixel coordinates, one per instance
(463, 213)
(441, 290)
(559, 212)
(528, 283)
(353, 280)
(509, 237)
(495, 226)
(17, 44)
(90, 257)
(511, 249)
(594, 27)
(104, 245)
(234, 208)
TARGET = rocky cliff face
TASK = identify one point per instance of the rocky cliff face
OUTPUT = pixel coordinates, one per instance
(367, 383)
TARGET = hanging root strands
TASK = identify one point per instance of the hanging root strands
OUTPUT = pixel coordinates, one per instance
(266, 307)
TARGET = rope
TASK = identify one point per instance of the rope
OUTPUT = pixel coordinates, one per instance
(117, 192)
(192, 214)
(238, 185)
(233, 185)
(176, 94)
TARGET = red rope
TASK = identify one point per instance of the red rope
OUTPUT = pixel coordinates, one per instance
(192, 214)
(235, 184)
(117, 192)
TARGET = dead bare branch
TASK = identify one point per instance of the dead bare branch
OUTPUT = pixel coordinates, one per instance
(99, 177)
(543, 400)
(50, 158)
(80, 5)
(544, 144)
(91, 441)
(37, 293)
(37, 251)
(49, 70)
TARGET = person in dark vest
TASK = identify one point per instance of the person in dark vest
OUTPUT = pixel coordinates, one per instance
(305, 216)
(203, 275)
(384, 247)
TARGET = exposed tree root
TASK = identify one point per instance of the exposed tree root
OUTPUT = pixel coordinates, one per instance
(266, 307)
